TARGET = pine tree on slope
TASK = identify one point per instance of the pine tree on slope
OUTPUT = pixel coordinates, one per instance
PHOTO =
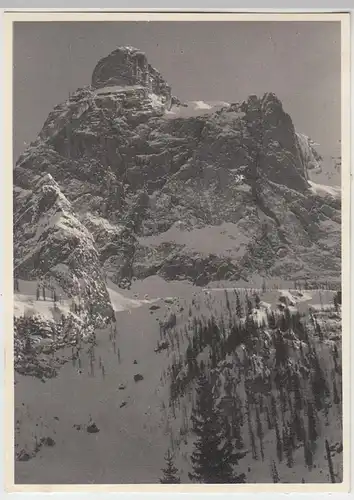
(213, 456)
(260, 433)
(238, 306)
(274, 471)
(170, 472)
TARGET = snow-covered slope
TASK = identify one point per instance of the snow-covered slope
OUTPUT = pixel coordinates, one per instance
(138, 420)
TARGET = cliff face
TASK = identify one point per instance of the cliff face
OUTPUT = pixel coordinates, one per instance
(212, 195)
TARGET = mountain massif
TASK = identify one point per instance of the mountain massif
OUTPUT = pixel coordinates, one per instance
(167, 257)
(125, 180)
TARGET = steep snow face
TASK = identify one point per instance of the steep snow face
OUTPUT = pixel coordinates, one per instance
(51, 243)
(311, 159)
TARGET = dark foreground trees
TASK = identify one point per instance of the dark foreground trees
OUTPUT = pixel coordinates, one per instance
(213, 456)
(290, 375)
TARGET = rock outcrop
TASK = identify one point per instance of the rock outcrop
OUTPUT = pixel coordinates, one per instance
(127, 66)
(52, 245)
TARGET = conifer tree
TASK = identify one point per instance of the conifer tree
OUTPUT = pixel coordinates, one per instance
(283, 404)
(308, 454)
(336, 398)
(297, 425)
(269, 421)
(238, 306)
(319, 332)
(290, 403)
(228, 306)
(249, 306)
(282, 323)
(170, 472)
(213, 456)
(335, 359)
(312, 426)
(271, 320)
(275, 475)
(251, 434)
(274, 410)
(279, 443)
(257, 301)
(330, 463)
(296, 387)
(28, 343)
(261, 403)
(281, 349)
(236, 419)
(191, 360)
(288, 320)
(260, 433)
(319, 384)
(288, 447)
(236, 432)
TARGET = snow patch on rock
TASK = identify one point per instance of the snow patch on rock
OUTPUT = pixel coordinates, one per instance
(323, 190)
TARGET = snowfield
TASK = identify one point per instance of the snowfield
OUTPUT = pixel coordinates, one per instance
(122, 303)
(27, 305)
(195, 108)
(323, 190)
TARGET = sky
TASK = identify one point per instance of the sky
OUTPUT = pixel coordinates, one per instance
(211, 61)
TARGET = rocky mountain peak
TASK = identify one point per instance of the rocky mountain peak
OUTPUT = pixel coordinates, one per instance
(128, 66)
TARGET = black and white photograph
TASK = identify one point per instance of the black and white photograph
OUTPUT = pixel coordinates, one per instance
(177, 251)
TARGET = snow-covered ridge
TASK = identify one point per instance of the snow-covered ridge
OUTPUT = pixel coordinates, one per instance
(323, 190)
(195, 108)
